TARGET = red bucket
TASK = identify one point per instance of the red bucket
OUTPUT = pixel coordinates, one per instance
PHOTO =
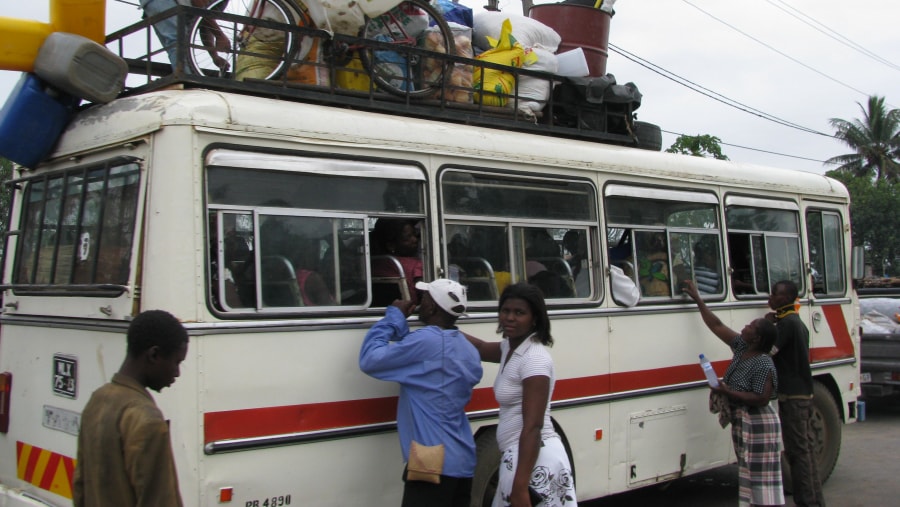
(579, 26)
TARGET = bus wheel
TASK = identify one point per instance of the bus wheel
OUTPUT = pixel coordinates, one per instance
(826, 429)
(487, 470)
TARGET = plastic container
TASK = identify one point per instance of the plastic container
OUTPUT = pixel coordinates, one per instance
(860, 410)
(709, 371)
(573, 63)
(80, 67)
(31, 120)
(84, 17)
(579, 26)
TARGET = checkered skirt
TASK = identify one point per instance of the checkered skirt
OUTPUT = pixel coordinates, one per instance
(756, 433)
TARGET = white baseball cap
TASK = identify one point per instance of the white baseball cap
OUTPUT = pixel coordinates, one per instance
(447, 294)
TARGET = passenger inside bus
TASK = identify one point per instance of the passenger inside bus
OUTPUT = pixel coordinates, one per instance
(742, 265)
(653, 263)
(305, 258)
(545, 267)
(706, 267)
(621, 255)
(277, 275)
(478, 258)
(237, 252)
(395, 259)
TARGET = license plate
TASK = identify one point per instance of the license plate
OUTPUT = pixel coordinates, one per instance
(865, 377)
(61, 419)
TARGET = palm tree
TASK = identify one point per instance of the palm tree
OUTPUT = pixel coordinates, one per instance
(876, 139)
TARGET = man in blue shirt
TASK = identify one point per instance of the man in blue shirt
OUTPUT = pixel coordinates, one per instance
(436, 368)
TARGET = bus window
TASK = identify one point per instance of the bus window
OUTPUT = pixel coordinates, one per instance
(280, 244)
(661, 238)
(490, 246)
(763, 244)
(77, 230)
(824, 236)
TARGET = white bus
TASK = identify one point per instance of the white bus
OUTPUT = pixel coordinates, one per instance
(216, 206)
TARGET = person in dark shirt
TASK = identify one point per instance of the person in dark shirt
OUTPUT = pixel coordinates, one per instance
(795, 392)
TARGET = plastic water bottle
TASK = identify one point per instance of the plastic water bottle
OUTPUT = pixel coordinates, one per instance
(709, 371)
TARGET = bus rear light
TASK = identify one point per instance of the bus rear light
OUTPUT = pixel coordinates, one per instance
(5, 394)
(225, 495)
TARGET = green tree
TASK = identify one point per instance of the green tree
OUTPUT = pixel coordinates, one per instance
(874, 213)
(698, 146)
(875, 139)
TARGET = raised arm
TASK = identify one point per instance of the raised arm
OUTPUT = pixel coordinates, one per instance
(489, 351)
(725, 333)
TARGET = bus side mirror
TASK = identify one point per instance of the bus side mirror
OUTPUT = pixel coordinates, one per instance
(858, 263)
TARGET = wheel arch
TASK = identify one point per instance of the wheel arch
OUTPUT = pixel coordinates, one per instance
(830, 383)
(486, 435)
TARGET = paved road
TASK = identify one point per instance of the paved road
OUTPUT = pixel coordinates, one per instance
(865, 475)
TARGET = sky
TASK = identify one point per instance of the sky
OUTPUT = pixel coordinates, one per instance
(799, 62)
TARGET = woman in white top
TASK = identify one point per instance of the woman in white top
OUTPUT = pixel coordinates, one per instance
(534, 460)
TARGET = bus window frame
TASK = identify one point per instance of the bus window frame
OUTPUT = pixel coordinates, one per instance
(314, 164)
(513, 224)
(259, 307)
(680, 198)
(841, 254)
(91, 288)
(777, 205)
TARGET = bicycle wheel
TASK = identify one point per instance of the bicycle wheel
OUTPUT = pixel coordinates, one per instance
(403, 73)
(243, 49)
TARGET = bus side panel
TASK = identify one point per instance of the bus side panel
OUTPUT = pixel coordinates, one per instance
(660, 354)
(260, 385)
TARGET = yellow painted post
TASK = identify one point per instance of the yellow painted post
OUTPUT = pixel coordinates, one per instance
(20, 42)
(83, 17)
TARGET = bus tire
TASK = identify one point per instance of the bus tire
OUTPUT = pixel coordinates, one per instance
(648, 136)
(487, 469)
(826, 428)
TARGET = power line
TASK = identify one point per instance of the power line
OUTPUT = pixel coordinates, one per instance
(798, 62)
(710, 93)
(830, 32)
(754, 149)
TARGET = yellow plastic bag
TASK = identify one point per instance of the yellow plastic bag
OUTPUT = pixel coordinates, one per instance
(493, 86)
(353, 76)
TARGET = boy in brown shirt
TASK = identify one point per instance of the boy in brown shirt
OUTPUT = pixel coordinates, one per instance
(124, 452)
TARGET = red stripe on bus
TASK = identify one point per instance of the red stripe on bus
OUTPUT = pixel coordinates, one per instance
(268, 421)
(49, 472)
(33, 454)
(265, 421)
(843, 343)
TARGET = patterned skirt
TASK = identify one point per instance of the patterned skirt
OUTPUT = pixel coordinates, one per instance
(551, 477)
(756, 433)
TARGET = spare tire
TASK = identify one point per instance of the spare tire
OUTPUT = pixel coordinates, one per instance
(647, 135)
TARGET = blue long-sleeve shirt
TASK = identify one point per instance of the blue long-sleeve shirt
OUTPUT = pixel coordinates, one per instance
(436, 369)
